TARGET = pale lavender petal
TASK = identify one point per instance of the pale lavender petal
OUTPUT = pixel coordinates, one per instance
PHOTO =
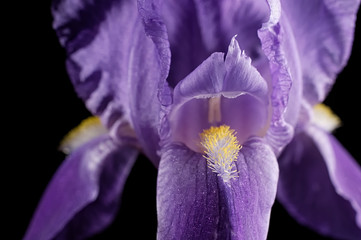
(247, 116)
(205, 81)
(241, 75)
(282, 54)
(323, 31)
(319, 185)
(194, 203)
(84, 194)
(191, 95)
(240, 88)
(118, 60)
(230, 77)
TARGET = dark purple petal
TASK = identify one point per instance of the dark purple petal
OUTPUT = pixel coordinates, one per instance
(198, 28)
(319, 185)
(118, 60)
(195, 203)
(187, 47)
(84, 194)
(254, 192)
(323, 32)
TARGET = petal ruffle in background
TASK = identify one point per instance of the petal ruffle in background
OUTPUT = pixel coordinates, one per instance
(41, 107)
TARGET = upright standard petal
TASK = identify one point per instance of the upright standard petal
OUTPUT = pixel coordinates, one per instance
(194, 203)
(198, 28)
(118, 58)
(224, 91)
(280, 49)
(323, 31)
(319, 184)
(84, 194)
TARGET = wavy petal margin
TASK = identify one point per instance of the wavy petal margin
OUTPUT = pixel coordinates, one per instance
(118, 61)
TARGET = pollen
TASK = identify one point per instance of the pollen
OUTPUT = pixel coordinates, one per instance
(221, 151)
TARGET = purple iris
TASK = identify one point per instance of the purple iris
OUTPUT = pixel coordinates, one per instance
(219, 96)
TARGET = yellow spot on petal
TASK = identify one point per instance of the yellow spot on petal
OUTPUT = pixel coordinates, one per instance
(221, 149)
(87, 130)
(325, 118)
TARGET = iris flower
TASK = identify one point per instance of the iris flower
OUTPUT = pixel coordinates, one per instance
(220, 96)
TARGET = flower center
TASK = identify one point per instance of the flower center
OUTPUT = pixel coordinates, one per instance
(221, 149)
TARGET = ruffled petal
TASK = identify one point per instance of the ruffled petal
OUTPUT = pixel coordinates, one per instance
(194, 203)
(323, 31)
(118, 60)
(94, 35)
(281, 51)
(319, 184)
(84, 194)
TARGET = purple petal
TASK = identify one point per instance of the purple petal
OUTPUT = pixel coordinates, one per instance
(242, 91)
(281, 51)
(323, 31)
(241, 75)
(206, 80)
(194, 203)
(319, 185)
(118, 59)
(198, 28)
(84, 194)
(232, 77)
(87, 31)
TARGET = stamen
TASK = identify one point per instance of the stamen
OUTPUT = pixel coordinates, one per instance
(214, 110)
(221, 149)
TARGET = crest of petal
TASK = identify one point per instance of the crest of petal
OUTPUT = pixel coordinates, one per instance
(240, 88)
(84, 194)
(319, 184)
(215, 75)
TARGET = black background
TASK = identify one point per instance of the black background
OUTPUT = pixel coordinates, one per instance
(40, 107)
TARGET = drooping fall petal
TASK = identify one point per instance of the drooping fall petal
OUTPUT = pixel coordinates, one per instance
(194, 203)
(84, 194)
(319, 184)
